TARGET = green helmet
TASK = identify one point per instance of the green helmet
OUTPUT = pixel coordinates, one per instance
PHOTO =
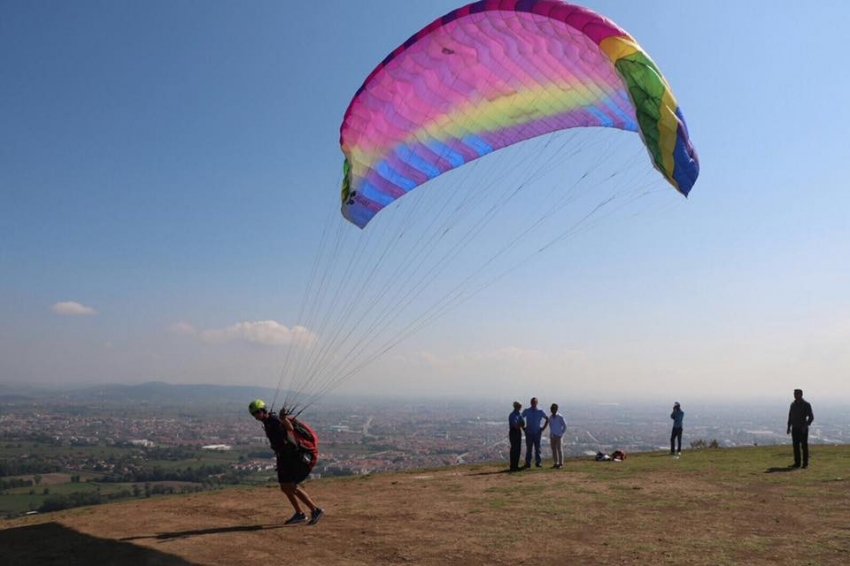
(256, 406)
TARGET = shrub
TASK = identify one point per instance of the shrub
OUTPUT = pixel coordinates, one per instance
(700, 444)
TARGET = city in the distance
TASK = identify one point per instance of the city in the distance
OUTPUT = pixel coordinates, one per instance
(89, 445)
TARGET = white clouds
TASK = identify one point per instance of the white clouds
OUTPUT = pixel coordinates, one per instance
(182, 329)
(265, 332)
(262, 332)
(72, 308)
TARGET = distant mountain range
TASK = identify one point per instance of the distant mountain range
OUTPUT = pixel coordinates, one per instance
(151, 392)
(156, 392)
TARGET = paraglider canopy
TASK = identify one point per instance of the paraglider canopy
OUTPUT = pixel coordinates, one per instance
(519, 118)
(492, 74)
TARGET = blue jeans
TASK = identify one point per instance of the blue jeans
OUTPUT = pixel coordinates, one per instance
(676, 435)
(800, 440)
(532, 440)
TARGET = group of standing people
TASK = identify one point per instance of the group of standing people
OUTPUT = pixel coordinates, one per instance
(533, 421)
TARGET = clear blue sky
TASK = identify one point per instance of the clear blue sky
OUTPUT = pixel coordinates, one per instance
(164, 167)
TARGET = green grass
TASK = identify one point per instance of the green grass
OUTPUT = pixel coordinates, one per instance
(18, 500)
(733, 503)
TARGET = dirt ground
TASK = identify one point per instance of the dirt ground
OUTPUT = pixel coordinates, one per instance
(713, 507)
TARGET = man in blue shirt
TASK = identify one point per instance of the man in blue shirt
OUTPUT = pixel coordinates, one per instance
(678, 416)
(516, 425)
(536, 422)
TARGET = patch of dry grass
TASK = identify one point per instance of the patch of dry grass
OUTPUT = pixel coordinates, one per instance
(710, 507)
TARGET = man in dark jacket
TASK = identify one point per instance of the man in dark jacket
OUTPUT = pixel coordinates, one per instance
(516, 425)
(800, 416)
(678, 416)
(293, 466)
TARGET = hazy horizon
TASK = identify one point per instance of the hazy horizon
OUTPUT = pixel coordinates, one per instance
(488, 400)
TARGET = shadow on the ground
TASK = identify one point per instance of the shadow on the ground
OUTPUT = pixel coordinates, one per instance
(196, 532)
(504, 471)
(776, 469)
(52, 543)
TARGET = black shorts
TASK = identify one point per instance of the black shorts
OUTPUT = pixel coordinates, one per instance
(292, 469)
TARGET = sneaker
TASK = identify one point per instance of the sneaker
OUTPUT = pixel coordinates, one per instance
(296, 518)
(316, 515)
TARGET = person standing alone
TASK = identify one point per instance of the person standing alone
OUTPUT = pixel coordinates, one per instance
(678, 415)
(800, 416)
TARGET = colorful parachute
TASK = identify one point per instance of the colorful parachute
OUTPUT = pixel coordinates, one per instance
(495, 73)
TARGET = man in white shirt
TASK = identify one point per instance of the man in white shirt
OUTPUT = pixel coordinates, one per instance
(557, 428)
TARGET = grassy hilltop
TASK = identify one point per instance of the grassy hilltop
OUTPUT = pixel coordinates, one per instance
(712, 507)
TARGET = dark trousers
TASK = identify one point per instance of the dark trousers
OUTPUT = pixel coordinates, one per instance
(800, 440)
(675, 436)
(515, 436)
(532, 441)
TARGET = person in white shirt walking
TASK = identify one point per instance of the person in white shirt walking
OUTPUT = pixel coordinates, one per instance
(557, 428)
